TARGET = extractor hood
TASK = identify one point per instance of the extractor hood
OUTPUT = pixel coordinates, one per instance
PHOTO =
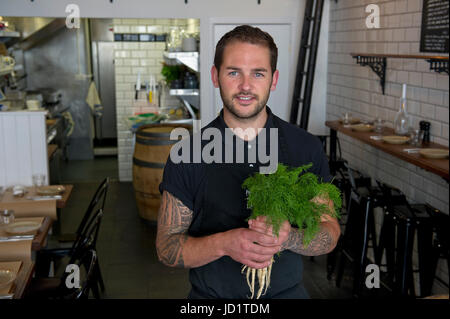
(33, 30)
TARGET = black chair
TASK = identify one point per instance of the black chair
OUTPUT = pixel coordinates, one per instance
(97, 201)
(64, 287)
(86, 240)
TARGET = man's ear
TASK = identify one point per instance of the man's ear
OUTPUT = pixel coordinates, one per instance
(275, 76)
(215, 76)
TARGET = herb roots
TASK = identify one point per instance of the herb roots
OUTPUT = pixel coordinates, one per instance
(263, 275)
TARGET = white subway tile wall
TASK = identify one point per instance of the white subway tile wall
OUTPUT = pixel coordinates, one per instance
(353, 88)
(130, 59)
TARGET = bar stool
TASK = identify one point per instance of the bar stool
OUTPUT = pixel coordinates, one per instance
(432, 244)
(441, 244)
(403, 272)
(360, 227)
(386, 243)
(397, 238)
(342, 181)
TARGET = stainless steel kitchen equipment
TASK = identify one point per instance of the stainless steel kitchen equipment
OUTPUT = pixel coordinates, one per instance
(51, 96)
(103, 69)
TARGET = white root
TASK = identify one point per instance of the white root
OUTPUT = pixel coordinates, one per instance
(269, 271)
(259, 273)
(248, 278)
(243, 268)
(252, 289)
(263, 279)
(247, 274)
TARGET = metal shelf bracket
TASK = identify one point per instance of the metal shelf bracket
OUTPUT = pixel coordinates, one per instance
(438, 66)
(377, 64)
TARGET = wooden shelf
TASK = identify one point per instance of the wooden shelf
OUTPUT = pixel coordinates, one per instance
(378, 62)
(403, 56)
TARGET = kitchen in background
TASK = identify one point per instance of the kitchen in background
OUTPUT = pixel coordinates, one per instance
(141, 54)
(52, 72)
(86, 79)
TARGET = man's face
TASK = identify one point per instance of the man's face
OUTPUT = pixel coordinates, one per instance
(245, 79)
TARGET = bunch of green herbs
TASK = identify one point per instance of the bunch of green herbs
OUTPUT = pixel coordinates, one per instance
(287, 195)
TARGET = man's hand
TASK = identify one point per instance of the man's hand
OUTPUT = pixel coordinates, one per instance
(251, 247)
(290, 238)
(324, 241)
(256, 245)
(260, 225)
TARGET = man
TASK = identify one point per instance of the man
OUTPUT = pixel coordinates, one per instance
(202, 218)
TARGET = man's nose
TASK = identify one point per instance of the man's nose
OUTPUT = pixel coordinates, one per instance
(245, 84)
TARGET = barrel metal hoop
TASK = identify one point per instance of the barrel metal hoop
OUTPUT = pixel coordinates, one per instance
(158, 134)
(152, 134)
(149, 195)
(147, 164)
(155, 142)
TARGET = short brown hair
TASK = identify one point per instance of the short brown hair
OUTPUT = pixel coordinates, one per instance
(248, 34)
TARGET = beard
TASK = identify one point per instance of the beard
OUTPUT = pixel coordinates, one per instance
(229, 105)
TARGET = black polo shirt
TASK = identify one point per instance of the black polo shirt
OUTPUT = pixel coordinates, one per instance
(186, 180)
(213, 192)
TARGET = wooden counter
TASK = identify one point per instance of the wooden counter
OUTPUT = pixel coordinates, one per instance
(51, 150)
(436, 166)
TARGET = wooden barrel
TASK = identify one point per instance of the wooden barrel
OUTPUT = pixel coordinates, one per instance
(151, 150)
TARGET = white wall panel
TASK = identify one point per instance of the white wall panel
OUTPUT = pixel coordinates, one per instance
(23, 147)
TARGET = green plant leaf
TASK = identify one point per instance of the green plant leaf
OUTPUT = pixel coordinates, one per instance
(287, 194)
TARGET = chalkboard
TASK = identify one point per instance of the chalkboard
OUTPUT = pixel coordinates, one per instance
(434, 31)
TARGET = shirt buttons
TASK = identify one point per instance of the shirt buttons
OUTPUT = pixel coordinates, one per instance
(249, 146)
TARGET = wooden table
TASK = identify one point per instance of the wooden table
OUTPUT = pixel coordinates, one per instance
(61, 203)
(26, 271)
(23, 279)
(436, 166)
(40, 240)
(51, 150)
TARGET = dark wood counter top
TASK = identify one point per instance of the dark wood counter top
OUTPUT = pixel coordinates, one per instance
(436, 166)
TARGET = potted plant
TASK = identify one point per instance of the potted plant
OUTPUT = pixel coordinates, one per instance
(171, 73)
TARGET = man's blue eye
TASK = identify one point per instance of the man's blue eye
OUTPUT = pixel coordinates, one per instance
(232, 73)
(259, 75)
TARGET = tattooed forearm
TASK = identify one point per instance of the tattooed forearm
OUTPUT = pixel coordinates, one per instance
(174, 219)
(322, 243)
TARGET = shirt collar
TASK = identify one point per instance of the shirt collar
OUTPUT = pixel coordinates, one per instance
(269, 121)
(222, 126)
